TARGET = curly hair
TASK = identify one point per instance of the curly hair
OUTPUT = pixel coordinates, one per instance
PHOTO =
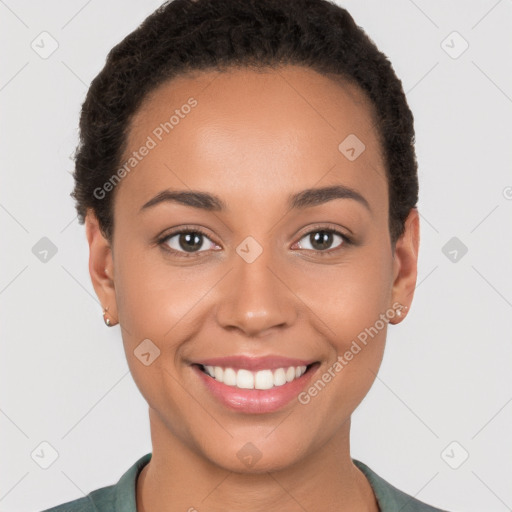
(190, 35)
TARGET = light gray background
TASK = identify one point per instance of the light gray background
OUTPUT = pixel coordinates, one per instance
(446, 374)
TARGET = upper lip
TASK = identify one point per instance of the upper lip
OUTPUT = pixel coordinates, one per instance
(252, 363)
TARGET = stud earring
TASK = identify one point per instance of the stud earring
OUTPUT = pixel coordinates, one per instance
(105, 319)
(399, 311)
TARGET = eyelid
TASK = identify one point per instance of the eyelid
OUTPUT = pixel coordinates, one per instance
(334, 229)
(326, 226)
(162, 240)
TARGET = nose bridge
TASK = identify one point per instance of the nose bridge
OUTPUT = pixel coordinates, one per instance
(254, 299)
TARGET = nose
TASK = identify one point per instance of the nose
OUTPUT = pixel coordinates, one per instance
(255, 297)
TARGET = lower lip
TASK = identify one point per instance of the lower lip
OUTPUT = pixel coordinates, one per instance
(256, 401)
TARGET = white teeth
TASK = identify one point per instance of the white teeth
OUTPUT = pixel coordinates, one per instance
(290, 374)
(244, 379)
(229, 377)
(218, 373)
(262, 379)
(279, 377)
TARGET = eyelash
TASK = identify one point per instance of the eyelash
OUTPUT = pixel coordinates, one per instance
(162, 242)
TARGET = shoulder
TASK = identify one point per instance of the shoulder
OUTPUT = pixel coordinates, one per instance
(389, 497)
(119, 497)
(100, 500)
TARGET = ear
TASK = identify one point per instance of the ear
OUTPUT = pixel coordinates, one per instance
(405, 266)
(101, 266)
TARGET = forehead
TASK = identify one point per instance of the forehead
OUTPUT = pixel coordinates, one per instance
(290, 93)
(249, 130)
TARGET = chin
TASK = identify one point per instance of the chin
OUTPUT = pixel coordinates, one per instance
(255, 457)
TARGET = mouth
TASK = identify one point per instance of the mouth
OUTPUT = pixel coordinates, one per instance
(260, 390)
(262, 379)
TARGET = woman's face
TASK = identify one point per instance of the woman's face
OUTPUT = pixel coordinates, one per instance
(279, 276)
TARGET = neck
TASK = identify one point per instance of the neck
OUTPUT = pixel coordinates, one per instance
(179, 478)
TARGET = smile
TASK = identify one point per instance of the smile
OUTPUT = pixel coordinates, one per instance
(254, 385)
(262, 379)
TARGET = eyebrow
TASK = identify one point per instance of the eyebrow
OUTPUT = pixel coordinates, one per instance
(301, 200)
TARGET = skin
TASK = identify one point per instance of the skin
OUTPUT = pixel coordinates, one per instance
(252, 140)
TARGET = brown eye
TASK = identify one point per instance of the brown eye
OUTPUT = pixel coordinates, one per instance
(321, 240)
(187, 242)
(190, 242)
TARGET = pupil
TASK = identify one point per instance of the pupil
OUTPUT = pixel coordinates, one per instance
(190, 241)
(321, 239)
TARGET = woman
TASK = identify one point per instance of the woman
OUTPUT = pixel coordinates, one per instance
(248, 182)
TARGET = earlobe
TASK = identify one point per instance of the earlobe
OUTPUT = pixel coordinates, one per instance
(101, 268)
(406, 266)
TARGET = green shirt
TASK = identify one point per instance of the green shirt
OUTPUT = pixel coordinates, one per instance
(121, 496)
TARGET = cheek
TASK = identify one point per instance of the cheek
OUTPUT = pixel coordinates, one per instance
(135, 294)
(151, 296)
(351, 295)
(361, 317)
(351, 302)
(150, 300)
(160, 302)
